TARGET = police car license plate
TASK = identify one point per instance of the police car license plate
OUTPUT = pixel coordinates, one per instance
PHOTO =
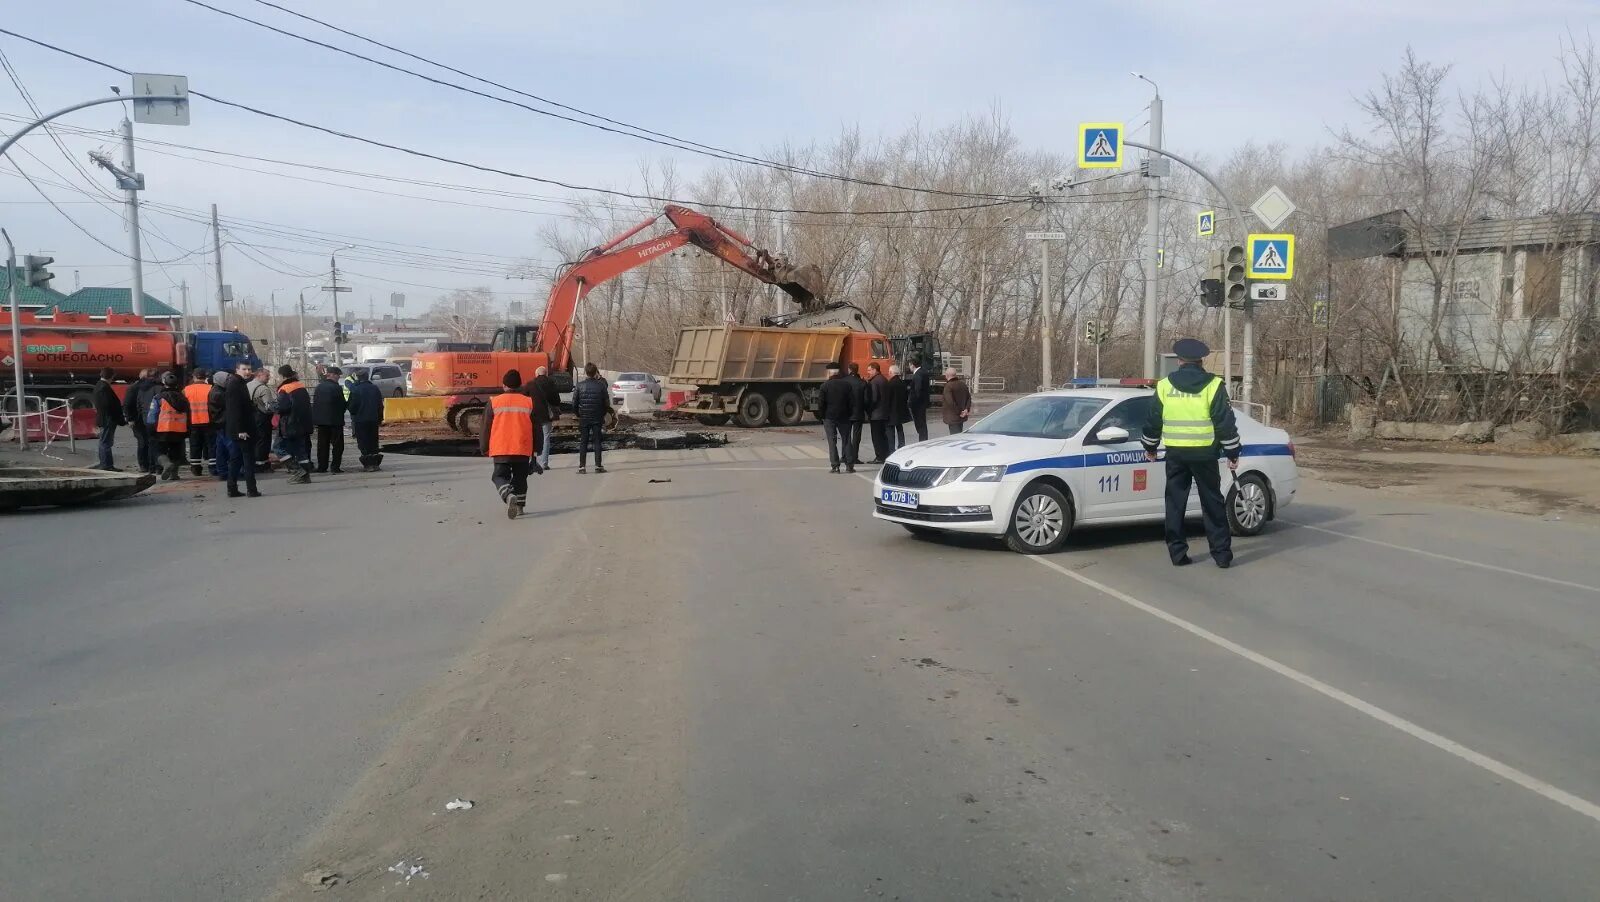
(898, 498)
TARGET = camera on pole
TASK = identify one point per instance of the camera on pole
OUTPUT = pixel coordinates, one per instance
(34, 268)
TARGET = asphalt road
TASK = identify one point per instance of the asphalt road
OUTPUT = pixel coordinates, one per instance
(736, 685)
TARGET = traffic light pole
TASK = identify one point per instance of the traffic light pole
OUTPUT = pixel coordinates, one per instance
(1249, 314)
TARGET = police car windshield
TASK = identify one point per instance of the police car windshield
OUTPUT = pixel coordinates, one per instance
(1042, 416)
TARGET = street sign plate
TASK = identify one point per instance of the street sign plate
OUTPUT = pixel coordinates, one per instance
(1273, 207)
(1206, 223)
(160, 112)
(396, 299)
(1319, 313)
(1100, 145)
(1045, 236)
(1266, 291)
(1269, 257)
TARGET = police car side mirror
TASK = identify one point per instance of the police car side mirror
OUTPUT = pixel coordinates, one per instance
(1111, 435)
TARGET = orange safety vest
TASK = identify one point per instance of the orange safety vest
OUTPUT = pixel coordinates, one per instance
(171, 419)
(290, 388)
(198, 394)
(511, 427)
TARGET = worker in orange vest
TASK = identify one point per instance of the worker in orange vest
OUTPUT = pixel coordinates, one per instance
(510, 438)
(172, 425)
(202, 445)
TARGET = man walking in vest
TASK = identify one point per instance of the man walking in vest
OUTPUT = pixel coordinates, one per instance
(171, 426)
(510, 439)
(294, 422)
(202, 447)
(1191, 411)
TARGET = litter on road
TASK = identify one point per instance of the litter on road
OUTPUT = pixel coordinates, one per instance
(457, 805)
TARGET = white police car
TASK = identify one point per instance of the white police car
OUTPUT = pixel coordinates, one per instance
(1046, 464)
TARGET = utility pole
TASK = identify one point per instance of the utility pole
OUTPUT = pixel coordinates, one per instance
(1044, 239)
(134, 244)
(16, 341)
(1152, 238)
(273, 302)
(222, 301)
(982, 326)
(338, 324)
(183, 290)
(305, 357)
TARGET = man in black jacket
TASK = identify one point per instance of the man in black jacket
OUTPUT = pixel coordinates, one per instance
(294, 422)
(327, 414)
(108, 415)
(238, 425)
(366, 416)
(135, 402)
(899, 409)
(592, 398)
(919, 394)
(543, 388)
(836, 409)
(858, 411)
(878, 408)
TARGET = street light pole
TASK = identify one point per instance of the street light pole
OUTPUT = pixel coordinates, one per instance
(135, 245)
(16, 341)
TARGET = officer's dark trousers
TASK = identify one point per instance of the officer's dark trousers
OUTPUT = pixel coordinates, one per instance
(1207, 478)
(511, 477)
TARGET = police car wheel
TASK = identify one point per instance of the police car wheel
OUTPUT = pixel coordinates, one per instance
(1040, 521)
(1249, 506)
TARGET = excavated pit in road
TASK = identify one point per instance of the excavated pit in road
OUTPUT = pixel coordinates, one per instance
(649, 440)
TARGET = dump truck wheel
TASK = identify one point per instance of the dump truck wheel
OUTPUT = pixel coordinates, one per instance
(788, 409)
(753, 410)
(713, 419)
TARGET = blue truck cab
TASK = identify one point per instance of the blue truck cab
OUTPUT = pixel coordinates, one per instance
(221, 350)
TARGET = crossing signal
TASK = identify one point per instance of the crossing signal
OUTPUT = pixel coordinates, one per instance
(1235, 290)
(34, 268)
(1211, 286)
(1090, 331)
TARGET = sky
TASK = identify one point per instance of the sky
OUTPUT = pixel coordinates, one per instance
(749, 78)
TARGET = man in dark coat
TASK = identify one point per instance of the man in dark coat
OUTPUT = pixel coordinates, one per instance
(836, 407)
(957, 401)
(858, 410)
(238, 425)
(108, 415)
(327, 414)
(919, 392)
(543, 389)
(878, 409)
(294, 422)
(899, 409)
(592, 398)
(135, 402)
(366, 415)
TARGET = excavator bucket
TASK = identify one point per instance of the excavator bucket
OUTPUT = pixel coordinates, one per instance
(803, 282)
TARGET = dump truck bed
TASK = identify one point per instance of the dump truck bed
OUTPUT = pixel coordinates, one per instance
(715, 355)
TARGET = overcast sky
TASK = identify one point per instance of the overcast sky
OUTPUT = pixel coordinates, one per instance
(746, 77)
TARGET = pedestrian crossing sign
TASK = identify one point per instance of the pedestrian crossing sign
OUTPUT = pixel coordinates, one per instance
(1206, 223)
(1269, 257)
(1100, 145)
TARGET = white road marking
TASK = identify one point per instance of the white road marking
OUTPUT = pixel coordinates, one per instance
(1445, 557)
(1503, 771)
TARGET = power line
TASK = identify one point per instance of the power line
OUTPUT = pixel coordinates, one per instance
(480, 167)
(635, 131)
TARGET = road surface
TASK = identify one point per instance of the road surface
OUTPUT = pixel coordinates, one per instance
(710, 675)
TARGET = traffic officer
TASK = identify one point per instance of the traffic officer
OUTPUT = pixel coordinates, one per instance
(509, 438)
(1191, 411)
(202, 445)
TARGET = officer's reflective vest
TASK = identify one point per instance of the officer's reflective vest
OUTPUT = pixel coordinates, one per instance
(511, 427)
(198, 393)
(1186, 416)
(171, 419)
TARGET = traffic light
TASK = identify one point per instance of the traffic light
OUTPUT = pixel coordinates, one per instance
(338, 333)
(37, 275)
(1090, 331)
(1234, 287)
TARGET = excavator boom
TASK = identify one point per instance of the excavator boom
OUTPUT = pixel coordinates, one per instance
(606, 262)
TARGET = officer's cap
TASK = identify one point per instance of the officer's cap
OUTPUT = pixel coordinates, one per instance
(1190, 349)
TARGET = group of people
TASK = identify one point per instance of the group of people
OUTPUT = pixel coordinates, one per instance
(228, 424)
(884, 404)
(518, 424)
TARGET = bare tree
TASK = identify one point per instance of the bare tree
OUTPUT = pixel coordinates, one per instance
(468, 314)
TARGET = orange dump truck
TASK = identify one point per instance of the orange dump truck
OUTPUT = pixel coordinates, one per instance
(754, 375)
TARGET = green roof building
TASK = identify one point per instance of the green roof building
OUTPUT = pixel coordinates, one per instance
(95, 302)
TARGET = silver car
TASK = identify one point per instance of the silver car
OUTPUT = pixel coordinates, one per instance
(388, 377)
(638, 382)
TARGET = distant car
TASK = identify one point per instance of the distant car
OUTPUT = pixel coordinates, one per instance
(388, 377)
(638, 382)
(1043, 465)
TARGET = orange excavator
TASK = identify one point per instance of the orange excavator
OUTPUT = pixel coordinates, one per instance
(468, 379)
